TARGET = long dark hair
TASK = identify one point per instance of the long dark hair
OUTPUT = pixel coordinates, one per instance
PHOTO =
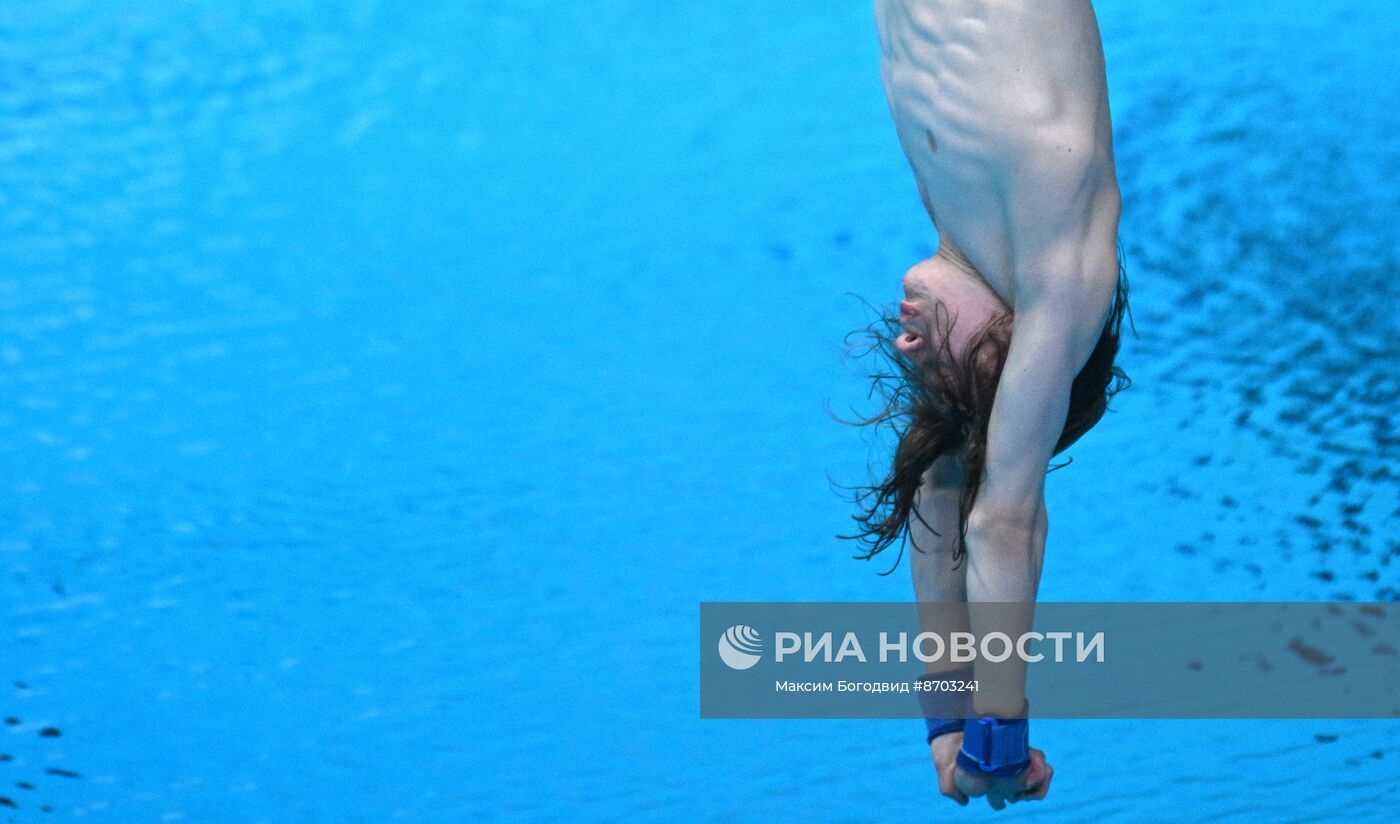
(943, 409)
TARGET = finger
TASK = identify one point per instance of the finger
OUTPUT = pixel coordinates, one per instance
(999, 793)
(1034, 774)
(1005, 789)
(948, 785)
(946, 770)
(1039, 793)
(970, 785)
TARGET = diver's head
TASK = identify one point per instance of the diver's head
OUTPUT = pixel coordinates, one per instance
(945, 353)
(946, 305)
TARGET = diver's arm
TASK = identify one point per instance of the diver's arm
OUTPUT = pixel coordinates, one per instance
(1065, 217)
(940, 587)
(933, 536)
(1005, 543)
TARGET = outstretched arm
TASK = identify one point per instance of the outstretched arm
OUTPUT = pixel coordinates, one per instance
(1064, 219)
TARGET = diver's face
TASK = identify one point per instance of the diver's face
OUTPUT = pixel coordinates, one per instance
(940, 295)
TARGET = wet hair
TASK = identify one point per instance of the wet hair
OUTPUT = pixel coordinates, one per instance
(943, 409)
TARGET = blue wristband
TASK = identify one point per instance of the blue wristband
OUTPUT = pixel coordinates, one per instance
(945, 711)
(943, 726)
(996, 746)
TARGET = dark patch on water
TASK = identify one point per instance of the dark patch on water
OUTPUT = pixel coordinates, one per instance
(22, 766)
(1310, 654)
(1273, 264)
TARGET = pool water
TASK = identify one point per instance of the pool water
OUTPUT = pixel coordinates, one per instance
(378, 374)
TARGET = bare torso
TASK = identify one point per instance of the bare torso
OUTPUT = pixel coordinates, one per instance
(981, 91)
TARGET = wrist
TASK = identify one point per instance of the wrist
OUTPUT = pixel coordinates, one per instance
(945, 710)
(994, 746)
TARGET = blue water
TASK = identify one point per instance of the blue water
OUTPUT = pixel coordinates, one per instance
(373, 371)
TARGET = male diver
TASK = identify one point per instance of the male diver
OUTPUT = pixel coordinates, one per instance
(1006, 338)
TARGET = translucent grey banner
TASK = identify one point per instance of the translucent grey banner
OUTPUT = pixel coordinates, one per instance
(1082, 660)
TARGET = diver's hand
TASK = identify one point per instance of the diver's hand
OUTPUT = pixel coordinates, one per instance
(945, 762)
(1032, 785)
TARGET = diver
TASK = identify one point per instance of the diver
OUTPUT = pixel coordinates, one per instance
(1005, 342)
